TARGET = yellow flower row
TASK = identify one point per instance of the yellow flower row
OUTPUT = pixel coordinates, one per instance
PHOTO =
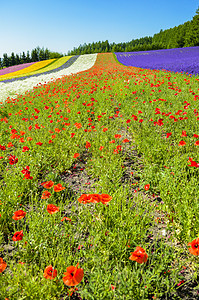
(38, 65)
(58, 63)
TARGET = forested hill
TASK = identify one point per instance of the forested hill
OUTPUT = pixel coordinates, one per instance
(185, 35)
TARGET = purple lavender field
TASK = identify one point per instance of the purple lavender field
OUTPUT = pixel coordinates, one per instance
(185, 60)
(15, 68)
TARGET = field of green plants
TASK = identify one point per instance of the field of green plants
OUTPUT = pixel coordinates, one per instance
(99, 194)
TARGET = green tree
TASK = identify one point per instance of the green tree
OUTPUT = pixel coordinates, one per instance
(12, 59)
(34, 55)
(5, 60)
(23, 58)
(192, 35)
(28, 59)
(41, 54)
(46, 54)
(55, 55)
(17, 59)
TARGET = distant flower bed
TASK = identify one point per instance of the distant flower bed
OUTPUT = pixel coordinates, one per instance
(56, 64)
(185, 60)
(11, 89)
(15, 68)
(31, 68)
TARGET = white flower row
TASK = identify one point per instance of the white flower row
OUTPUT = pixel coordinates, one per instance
(19, 87)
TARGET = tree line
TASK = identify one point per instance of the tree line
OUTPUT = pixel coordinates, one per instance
(37, 54)
(185, 35)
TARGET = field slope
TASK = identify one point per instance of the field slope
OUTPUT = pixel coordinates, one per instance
(99, 184)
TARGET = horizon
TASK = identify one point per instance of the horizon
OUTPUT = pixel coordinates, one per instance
(62, 27)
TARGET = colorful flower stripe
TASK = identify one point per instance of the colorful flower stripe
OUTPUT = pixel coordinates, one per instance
(15, 68)
(56, 64)
(185, 60)
(12, 89)
(38, 65)
(34, 74)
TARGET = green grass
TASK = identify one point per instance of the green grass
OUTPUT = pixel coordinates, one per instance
(101, 238)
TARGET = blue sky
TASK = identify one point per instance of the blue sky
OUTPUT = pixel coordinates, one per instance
(61, 25)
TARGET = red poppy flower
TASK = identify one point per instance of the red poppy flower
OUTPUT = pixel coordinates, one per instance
(25, 148)
(113, 287)
(119, 147)
(18, 236)
(57, 130)
(26, 170)
(194, 247)
(105, 129)
(168, 135)
(96, 198)
(19, 214)
(182, 143)
(46, 195)
(13, 131)
(48, 184)
(58, 187)
(10, 145)
(88, 145)
(184, 133)
(125, 141)
(78, 125)
(65, 218)
(118, 136)
(139, 255)
(37, 111)
(196, 143)
(85, 198)
(105, 198)
(146, 187)
(52, 209)
(50, 272)
(181, 282)
(22, 140)
(193, 163)
(39, 143)
(76, 155)
(37, 126)
(12, 159)
(3, 265)
(73, 275)
(26, 173)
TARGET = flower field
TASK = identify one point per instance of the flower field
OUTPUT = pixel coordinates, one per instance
(18, 86)
(99, 168)
(32, 68)
(15, 68)
(185, 60)
(35, 69)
